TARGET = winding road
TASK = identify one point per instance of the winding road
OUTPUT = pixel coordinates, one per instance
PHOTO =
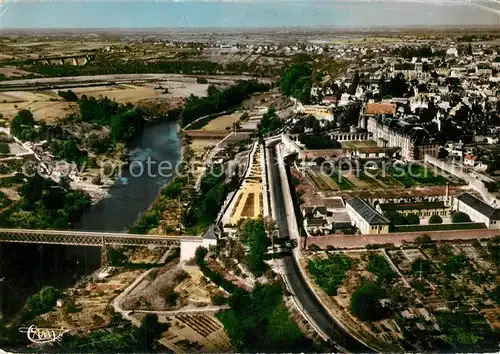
(293, 278)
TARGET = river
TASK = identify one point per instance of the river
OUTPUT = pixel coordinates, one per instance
(24, 269)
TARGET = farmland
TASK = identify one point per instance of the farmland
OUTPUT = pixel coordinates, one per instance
(194, 332)
(49, 106)
(223, 123)
(87, 305)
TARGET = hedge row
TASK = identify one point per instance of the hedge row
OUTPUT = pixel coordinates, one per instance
(439, 227)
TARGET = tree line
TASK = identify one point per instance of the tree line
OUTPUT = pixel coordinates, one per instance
(189, 67)
(219, 100)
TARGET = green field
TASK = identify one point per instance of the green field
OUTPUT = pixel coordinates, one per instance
(415, 175)
(358, 144)
(343, 183)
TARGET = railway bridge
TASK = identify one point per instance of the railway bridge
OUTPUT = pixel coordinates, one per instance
(188, 244)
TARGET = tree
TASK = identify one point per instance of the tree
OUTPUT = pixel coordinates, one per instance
(23, 126)
(398, 86)
(420, 240)
(442, 153)
(365, 302)
(68, 95)
(412, 219)
(435, 219)
(259, 322)
(459, 217)
(200, 253)
(42, 302)
(296, 81)
(253, 234)
(149, 331)
(355, 83)
(379, 266)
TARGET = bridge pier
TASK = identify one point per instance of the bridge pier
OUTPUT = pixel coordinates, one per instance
(104, 257)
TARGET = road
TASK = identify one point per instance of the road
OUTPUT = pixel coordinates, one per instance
(297, 284)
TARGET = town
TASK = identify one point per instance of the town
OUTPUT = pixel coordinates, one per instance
(331, 192)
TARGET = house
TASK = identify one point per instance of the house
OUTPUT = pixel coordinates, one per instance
(452, 52)
(372, 109)
(473, 161)
(317, 220)
(366, 218)
(492, 140)
(319, 112)
(478, 210)
(328, 100)
(371, 152)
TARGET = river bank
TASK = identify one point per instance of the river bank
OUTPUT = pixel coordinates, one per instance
(25, 268)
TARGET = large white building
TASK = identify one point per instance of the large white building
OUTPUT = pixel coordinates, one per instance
(366, 218)
(319, 112)
(412, 139)
(478, 210)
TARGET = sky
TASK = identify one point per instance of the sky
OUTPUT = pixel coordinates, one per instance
(238, 13)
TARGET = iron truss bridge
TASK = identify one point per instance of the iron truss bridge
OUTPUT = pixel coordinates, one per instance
(83, 238)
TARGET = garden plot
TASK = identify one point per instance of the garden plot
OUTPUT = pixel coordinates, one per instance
(169, 288)
(319, 181)
(415, 175)
(341, 181)
(195, 332)
(441, 295)
(87, 305)
(384, 179)
(361, 182)
(358, 144)
(457, 286)
(337, 277)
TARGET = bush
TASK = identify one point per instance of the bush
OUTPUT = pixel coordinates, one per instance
(68, 95)
(459, 216)
(42, 302)
(420, 240)
(330, 273)
(435, 219)
(171, 297)
(218, 299)
(379, 266)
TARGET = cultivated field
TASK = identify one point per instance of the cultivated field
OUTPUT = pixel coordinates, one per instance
(195, 332)
(187, 282)
(223, 123)
(49, 106)
(87, 305)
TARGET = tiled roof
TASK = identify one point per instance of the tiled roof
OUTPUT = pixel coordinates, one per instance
(380, 108)
(316, 222)
(470, 157)
(371, 216)
(480, 206)
(411, 206)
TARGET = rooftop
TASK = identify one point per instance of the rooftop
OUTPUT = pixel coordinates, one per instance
(412, 206)
(371, 216)
(480, 206)
(380, 108)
